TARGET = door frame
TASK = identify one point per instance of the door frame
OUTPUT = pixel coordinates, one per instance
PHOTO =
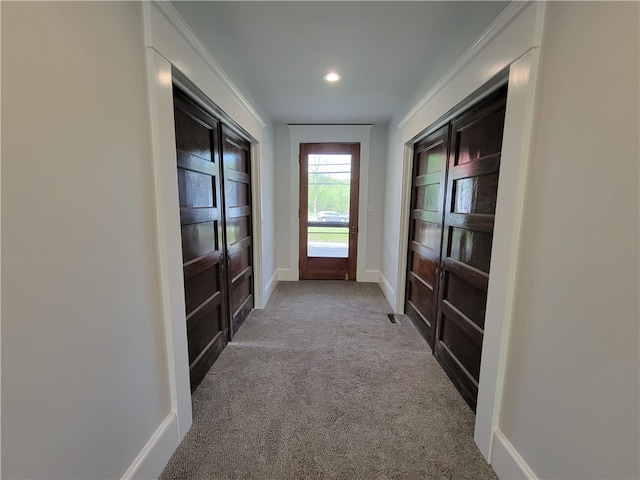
(328, 134)
(174, 55)
(514, 53)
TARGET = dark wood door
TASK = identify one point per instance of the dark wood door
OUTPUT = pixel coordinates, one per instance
(197, 144)
(472, 186)
(236, 162)
(328, 215)
(425, 231)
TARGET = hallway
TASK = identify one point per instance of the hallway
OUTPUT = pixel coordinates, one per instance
(320, 384)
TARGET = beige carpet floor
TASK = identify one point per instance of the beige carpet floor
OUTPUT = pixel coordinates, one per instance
(321, 385)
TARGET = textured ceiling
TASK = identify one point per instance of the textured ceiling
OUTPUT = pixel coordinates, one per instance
(276, 52)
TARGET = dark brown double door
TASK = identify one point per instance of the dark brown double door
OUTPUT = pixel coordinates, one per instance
(214, 191)
(454, 195)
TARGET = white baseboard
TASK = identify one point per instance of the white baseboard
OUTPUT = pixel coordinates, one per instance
(388, 291)
(270, 287)
(369, 276)
(506, 460)
(156, 453)
(288, 275)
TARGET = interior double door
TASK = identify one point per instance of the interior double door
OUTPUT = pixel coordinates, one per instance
(214, 188)
(454, 191)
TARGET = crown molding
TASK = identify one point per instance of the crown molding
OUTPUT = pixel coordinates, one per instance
(170, 12)
(508, 14)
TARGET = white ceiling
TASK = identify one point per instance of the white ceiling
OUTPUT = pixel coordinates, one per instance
(276, 52)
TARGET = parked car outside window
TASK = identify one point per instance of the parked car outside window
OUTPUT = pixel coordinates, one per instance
(328, 216)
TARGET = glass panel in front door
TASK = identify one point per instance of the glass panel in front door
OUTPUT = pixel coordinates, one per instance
(328, 209)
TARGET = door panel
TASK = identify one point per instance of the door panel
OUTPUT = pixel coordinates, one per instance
(329, 187)
(239, 245)
(472, 182)
(425, 231)
(201, 228)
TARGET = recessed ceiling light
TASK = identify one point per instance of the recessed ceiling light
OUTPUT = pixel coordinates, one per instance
(332, 76)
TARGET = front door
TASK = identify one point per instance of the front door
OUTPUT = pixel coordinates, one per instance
(201, 222)
(329, 180)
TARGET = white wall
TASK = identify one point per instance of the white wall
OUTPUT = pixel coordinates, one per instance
(84, 377)
(283, 198)
(268, 213)
(571, 406)
(375, 206)
(372, 160)
(391, 214)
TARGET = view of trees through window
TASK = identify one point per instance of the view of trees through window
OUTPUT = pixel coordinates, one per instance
(329, 185)
(329, 188)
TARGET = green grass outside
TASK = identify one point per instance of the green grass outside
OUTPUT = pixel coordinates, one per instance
(328, 234)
